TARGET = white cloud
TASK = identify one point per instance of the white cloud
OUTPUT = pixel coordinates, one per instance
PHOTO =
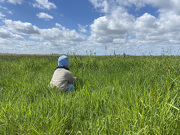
(7, 37)
(5, 34)
(1, 15)
(44, 4)
(162, 30)
(56, 37)
(44, 16)
(82, 28)
(60, 36)
(111, 26)
(175, 6)
(8, 11)
(146, 24)
(12, 1)
(55, 34)
(3, 7)
(21, 28)
(4, 41)
(103, 6)
(114, 27)
(15, 1)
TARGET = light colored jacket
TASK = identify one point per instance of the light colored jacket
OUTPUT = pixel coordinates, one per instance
(61, 78)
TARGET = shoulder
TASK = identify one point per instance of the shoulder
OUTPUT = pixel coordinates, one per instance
(63, 70)
(67, 71)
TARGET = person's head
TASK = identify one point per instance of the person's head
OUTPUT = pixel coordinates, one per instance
(63, 61)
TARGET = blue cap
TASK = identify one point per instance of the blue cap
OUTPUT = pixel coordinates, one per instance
(63, 61)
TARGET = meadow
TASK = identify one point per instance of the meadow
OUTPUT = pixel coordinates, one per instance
(133, 95)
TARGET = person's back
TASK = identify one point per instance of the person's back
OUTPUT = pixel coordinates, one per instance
(62, 77)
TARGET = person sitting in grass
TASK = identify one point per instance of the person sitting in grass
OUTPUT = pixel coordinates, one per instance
(62, 77)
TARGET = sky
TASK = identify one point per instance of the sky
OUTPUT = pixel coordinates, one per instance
(84, 27)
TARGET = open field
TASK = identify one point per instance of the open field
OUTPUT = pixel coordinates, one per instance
(114, 95)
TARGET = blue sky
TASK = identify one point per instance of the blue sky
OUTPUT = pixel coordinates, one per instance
(138, 27)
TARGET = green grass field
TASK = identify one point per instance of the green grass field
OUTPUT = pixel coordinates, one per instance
(114, 95)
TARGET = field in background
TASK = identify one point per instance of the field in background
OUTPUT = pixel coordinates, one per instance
(114, 95)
